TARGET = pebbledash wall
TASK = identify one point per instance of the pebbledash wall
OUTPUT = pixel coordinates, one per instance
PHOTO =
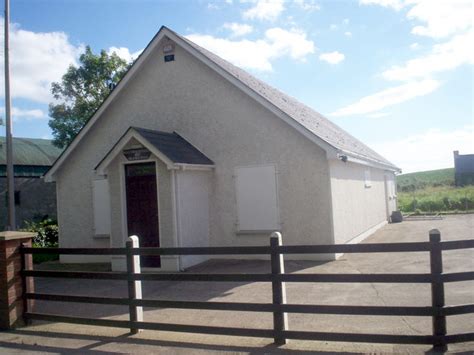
(231, 129)
(225, 124)
(359, 200)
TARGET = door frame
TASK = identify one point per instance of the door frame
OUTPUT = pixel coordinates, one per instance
(123, 196)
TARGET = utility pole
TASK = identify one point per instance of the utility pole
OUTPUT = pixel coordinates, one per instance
(11, 225)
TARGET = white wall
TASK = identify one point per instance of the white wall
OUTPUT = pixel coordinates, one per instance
(193, 213)
(357, 209)
(225, 124)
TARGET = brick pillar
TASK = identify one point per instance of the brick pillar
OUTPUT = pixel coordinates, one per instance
(11, 285)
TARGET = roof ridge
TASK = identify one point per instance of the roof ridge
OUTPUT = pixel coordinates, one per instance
(150, 130)
(28, 138)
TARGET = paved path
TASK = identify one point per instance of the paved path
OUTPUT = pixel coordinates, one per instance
(60, 338)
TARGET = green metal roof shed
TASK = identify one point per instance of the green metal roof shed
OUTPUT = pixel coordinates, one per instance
(32, 157)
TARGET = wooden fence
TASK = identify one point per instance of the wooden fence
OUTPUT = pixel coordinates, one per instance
(280, 332)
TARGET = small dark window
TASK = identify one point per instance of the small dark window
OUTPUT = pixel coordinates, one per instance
(169, 58)
(17, 198)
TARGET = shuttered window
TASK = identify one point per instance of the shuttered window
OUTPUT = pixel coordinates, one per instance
(101, 206)
(256, 193)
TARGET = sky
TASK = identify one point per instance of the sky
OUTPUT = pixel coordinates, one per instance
(396, 74)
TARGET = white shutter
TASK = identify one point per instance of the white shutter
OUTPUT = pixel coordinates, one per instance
(256, 193)
(101, 206)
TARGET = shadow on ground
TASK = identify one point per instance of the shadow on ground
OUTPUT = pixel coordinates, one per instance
(156, 290)
(126, 343)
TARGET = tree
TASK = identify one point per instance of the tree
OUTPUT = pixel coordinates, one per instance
(81, 91)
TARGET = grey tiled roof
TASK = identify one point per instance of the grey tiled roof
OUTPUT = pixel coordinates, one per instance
(174, 147)
(304, 115)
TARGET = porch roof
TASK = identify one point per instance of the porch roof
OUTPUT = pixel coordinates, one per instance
(171, 148)
(174, 147)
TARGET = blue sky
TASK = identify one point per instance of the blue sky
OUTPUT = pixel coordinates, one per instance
(397, 74)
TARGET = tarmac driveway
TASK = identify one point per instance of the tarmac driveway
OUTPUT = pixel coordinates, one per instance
(59, 338)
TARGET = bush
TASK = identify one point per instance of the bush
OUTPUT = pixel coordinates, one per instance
(46, 233)
(46, 237)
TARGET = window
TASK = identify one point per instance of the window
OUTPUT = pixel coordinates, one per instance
(256, 193)
(368, 181)
(101, 206)
(16, 197)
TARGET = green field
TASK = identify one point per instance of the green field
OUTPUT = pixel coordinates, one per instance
(433, 191)
(419, 180)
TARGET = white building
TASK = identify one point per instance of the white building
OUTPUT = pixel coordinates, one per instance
(189, 150)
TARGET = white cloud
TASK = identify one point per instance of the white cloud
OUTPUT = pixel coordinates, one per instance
(348, 34)
(378, 115)
(332, 57)
(444, 56)
(36, 60)
(212, 6)
(388, 97)
(238, 29)
(19, 114)
(124, 53)
(265, 10)
(429, 150)
(308, 5)
(394, 4)
(335, 26)
(258, 54)
(441, 18)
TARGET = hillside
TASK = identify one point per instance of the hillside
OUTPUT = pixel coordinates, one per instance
(421, 179)
(433, 191)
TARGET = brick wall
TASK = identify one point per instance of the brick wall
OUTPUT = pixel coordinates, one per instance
(11, 285)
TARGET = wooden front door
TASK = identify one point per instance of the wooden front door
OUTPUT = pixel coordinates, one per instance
(142, 208)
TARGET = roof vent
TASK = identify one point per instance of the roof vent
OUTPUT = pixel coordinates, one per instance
(168, 48)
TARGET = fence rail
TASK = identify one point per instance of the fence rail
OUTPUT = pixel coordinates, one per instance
(279, 307)
(264, 250)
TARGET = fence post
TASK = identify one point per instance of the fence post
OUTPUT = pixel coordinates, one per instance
(27, 283)
(134, 287)
(12, 282)
(437, 291)
(280, 319)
